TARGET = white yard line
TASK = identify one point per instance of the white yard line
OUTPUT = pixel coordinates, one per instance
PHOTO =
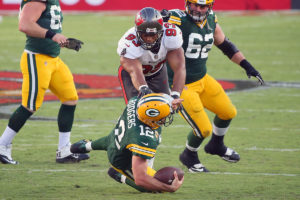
(104, 171)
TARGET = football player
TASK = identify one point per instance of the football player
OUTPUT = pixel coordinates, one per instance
(134, 140)
(144, 50)
(200, 29)
(41, 21)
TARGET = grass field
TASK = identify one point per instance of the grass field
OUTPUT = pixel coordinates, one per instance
(266, 131)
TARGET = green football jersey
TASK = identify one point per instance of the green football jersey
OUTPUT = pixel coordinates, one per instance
(197, 42)
(131, 137)
(52, 19)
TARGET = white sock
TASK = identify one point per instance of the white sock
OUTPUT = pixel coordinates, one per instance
(64, 139)
(7, 136)
(219, 131)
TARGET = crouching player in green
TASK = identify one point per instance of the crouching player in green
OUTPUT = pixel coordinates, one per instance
(132, 144)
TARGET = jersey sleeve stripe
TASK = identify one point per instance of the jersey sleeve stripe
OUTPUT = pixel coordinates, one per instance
(141, 150)
(175, 20)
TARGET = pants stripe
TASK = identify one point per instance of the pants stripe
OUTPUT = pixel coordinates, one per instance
(191, 122)
(33, 82)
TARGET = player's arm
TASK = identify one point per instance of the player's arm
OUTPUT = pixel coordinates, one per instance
(135, 70)
(29, 15)
(235, 55)
(142, 179)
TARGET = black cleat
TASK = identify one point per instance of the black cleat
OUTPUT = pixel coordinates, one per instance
(226, 153)
(73, 158)
(191, 161)
(64, 155)
(79, 147)
(114, 174)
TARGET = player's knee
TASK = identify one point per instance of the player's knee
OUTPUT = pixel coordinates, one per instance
(229, 114)
(206, 130)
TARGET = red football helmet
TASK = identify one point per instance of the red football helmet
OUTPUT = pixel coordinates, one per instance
(148, 21)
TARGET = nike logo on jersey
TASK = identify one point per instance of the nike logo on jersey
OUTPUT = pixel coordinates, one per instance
(146, 144)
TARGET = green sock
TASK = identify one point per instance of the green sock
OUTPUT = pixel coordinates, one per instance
(18, 118)
(220, 123)
(65, 118)
(194, 141)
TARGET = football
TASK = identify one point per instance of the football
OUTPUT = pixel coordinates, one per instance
(166, 174)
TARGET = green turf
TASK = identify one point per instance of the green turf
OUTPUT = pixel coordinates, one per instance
(265, 131)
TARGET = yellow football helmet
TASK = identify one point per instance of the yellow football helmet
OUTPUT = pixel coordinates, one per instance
(196, 15)
(155, 110)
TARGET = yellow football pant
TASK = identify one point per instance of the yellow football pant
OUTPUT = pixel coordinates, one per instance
(42, 72)
(205, 93)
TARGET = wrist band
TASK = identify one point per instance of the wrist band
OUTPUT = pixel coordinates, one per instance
(50, 34)
(142, 87)
(175, 93)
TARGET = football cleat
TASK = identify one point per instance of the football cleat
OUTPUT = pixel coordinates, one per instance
(114, 174)
(79, 147)
(5, 155)
(192, 162)
(230, 155)
(65, 156)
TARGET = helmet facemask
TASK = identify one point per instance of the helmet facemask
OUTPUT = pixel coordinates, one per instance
(197, 15)
(149, 22)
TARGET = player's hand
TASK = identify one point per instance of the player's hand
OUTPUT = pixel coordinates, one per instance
(176, 184)
(144, 90)
(165, 15)
(74, 44)
(60, 39)
(253, 72)
(176, 104)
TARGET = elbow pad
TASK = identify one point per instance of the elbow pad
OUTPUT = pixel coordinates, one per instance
(228, 48)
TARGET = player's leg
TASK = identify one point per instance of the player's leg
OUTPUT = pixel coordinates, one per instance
(36, 78)
(126, 177)
(193, 112)
(62, 85)
(216, 100)
(128, 88)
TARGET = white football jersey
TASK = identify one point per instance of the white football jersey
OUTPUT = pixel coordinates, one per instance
(129, 48)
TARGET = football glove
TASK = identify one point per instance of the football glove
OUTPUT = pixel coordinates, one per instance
(144, 90)
(165, 15)
(73, 44)
(251, 71)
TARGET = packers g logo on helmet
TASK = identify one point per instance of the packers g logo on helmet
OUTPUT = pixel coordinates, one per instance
(155, 109)
(196, 15)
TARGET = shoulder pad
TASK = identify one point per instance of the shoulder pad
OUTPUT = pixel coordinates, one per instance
(176, 16)
(174, 40)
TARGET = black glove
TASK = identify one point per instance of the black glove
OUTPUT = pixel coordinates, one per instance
(251, 71)
(165, 15)
(73, 44)
(144, 90)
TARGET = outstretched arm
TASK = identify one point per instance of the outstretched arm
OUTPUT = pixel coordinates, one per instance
(236, 56)
(176, 61)
(135, 70)
(142, 179)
